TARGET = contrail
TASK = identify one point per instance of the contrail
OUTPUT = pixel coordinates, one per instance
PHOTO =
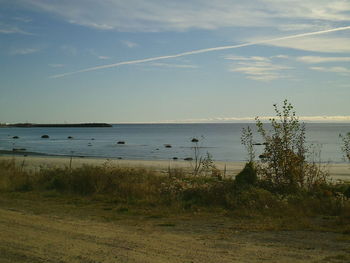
(198, 51)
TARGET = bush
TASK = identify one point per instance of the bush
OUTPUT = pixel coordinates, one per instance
(253, 198)
(284, 168)
(247, 177)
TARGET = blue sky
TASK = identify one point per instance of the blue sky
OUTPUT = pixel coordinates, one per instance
(86, 61)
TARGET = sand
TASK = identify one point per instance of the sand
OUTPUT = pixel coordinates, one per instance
(36, 162)
(338, 171)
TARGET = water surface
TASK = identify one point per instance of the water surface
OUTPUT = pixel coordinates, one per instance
(146, 141)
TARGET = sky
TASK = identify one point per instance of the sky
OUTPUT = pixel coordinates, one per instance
(160, 61)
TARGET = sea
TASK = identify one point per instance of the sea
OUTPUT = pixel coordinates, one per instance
(162, 141)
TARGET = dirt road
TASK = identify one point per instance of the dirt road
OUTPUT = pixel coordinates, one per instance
(25, 237)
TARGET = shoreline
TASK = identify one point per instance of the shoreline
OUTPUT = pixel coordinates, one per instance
(337, 171)
(55, 161)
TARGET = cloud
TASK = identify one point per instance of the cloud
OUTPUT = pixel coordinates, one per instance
(340, 70)
(56, 65)
(258, 68)
(315, 44)
(103, 57)
(24, 51)
(167, 65)
(281, 56)
(325, 118)
(318, 59)
(92, 52)
(129, 44)
(199, 51)
(69, 50)
(159, 15)
(10, 29)
(93, 25)
(252, 58)
(22, 19)
(303, 27)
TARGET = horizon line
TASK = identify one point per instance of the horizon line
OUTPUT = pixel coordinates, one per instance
(302, 119)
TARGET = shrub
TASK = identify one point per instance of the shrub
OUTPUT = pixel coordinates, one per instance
(248, 176)
(254, 198)
(284, 167)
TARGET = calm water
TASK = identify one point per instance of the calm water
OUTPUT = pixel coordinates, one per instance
(146, 141)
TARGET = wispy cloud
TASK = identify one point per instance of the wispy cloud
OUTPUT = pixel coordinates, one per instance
(103, 57)
(339, 70)
(69, 50)
(303, 26)
(129, 44)
(10, 29)
(315, 44)
(257, 68)
(252, 58)
(101, 26)
(205, 50)
(22, 19)
(281, 56)
(168, 65)
(56, 65)
(159, 15)
(260, 70)
(318, 59)
(325, 118)
(92, 52)
(24, 51)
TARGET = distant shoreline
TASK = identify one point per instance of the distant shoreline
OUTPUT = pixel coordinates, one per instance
(56, 125)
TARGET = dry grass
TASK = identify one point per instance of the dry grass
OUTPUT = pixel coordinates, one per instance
(125, 190)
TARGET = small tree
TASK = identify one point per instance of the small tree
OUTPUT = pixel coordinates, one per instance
(284, 164)
(346, 146)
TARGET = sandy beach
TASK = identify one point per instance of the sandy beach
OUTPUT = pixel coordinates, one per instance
(338, 171)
